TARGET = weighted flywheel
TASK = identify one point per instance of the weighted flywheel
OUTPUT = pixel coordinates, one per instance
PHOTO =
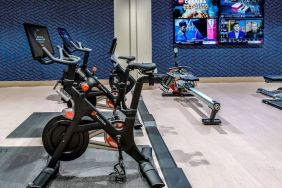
(54, 133)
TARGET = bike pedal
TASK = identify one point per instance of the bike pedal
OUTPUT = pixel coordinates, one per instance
(114, 176)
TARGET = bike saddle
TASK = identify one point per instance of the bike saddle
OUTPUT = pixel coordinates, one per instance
(189, 78)
(143, 67)
(127, 58)
(178, 68)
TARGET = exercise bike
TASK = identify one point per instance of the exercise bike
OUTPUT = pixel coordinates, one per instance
(83, 74)
(117, 73)
(66, 138)
(179, 81)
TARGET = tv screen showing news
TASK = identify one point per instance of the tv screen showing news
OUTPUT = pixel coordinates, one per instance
(195, 31)
(244, 31)
(195, 9)
(241, 8)
(218, 21)
(195, 21)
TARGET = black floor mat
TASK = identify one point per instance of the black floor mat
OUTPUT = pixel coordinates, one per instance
(174, 176)
(20, 165)
(33, 126)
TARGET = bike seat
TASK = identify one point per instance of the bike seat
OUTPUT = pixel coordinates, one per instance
(179, 67)
(271, 78)
(127, 58)
(189, 78)
(143, 67)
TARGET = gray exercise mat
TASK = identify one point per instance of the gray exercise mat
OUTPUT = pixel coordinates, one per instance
(33, 126)
(20, 165)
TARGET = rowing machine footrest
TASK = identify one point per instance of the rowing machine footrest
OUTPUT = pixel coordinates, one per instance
(208, 121)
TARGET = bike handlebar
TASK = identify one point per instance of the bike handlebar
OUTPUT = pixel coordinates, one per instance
(63, 59)
(78, 46)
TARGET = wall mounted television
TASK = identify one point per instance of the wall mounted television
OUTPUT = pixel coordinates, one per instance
(241, 31)
(195, 31)
(218, 22)
(195, 21)
(241, 22)
(241, 8)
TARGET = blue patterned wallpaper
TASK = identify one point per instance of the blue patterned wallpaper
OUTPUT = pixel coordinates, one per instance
(91, 22)
(219, 61)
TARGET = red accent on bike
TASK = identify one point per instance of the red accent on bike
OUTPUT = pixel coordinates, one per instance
(84, 87)
(109, 140)
(69, 114)
(109, 104)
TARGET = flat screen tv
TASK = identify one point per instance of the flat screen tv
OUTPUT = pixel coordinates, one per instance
(218, 21)
(195, 31)
(195, 21)
(241, 8)
(241, 31)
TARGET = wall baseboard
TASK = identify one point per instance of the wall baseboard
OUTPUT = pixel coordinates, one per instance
(202, 80)
(27, 83)
(230, 79)
(34, 83)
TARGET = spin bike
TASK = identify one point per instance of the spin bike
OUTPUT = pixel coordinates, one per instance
(70, 46)
(66, 138)
(179, 81)
(83, 73)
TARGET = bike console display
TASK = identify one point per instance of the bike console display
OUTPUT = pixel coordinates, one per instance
(65, 37)
(113, 46)
(38, 37)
